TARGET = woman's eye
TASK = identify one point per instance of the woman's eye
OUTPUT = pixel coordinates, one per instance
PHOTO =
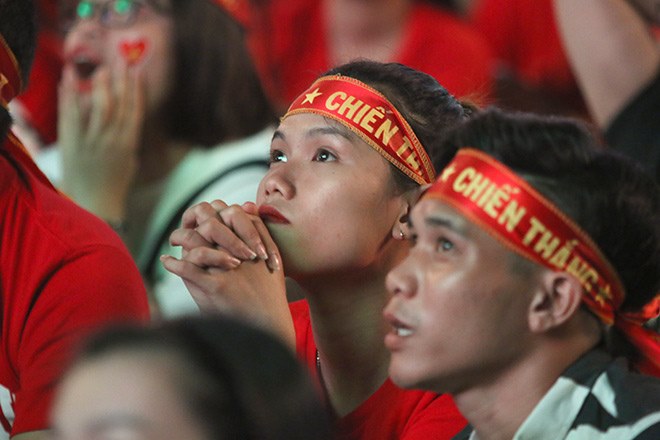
(324, 156)
(277, 156)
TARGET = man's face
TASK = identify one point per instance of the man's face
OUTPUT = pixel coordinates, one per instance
(459, 307)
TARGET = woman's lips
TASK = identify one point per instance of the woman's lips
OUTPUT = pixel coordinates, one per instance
(271, 215)
(83, 64)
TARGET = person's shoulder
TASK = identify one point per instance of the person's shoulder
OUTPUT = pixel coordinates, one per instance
(37, 208)
(620, 403)
(72, 226)
(631, 390)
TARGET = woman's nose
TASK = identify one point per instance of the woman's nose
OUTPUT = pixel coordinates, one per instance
(85, 30)
(278, 182)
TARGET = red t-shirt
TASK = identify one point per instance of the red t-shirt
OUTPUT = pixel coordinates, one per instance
(63, 272)
(40, 98)
(524, 36)
(391, 412)
(291, 47)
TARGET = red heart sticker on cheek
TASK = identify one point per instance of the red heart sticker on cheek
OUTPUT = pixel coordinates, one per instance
(133, 51)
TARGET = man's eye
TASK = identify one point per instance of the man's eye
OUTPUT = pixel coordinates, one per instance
(445, 245)
(324, 156)
(277, 156)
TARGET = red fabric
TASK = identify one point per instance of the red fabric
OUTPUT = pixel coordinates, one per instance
(40, 97)
(496, 199)
(524, 35)
(390, 413)
(372, 117)
(291, 46)
(63, 272)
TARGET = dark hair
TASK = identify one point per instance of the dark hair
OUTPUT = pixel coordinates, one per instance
(217, 93)
(238, 380)
(611, 198)
(18, 28)
(426, 105)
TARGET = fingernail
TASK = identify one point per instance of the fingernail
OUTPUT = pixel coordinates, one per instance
(252, 255)
(261, 250)
(234, 262)
(274, 262)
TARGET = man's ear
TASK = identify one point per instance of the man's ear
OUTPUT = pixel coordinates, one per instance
(557, 299)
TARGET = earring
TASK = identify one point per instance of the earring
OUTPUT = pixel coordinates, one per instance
(401, 234)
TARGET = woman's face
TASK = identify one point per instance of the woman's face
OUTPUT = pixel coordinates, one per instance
(328, 198)
(118, 33)
(123, 395)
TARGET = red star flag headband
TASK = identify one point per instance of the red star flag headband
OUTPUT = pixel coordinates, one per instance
(508, 208)
(10, 74)
(368, 114)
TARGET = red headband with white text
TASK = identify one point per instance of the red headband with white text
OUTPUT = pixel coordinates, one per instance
(369, 114)
(508, 208)
(10, 74)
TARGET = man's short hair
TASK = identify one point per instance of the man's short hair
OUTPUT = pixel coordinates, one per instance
(611, 198)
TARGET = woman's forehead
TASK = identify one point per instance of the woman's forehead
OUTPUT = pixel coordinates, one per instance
(310, 126)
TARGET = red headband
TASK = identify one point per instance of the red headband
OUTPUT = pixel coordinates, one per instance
(10, 74)
(508, 208)
(371, 116)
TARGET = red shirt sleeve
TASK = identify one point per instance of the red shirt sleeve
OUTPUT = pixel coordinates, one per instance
(94, 288)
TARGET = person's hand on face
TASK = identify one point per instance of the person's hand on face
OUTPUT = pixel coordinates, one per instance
(99, 134)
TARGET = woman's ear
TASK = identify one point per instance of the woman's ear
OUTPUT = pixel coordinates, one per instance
(556, 301)
(400, 230)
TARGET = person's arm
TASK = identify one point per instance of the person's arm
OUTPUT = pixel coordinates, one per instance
(611, 50)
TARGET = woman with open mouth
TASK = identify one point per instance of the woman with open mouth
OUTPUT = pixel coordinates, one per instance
(153, 118)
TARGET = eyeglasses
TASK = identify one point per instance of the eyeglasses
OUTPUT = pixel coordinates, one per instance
(110, 13)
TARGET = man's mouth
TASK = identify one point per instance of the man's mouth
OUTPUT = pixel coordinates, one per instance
(402, 331)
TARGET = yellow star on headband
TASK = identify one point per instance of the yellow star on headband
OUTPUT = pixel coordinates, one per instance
(447, 172)
(310, 97)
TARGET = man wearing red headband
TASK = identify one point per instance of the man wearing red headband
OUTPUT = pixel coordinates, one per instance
(536, 260)
(63, 272)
